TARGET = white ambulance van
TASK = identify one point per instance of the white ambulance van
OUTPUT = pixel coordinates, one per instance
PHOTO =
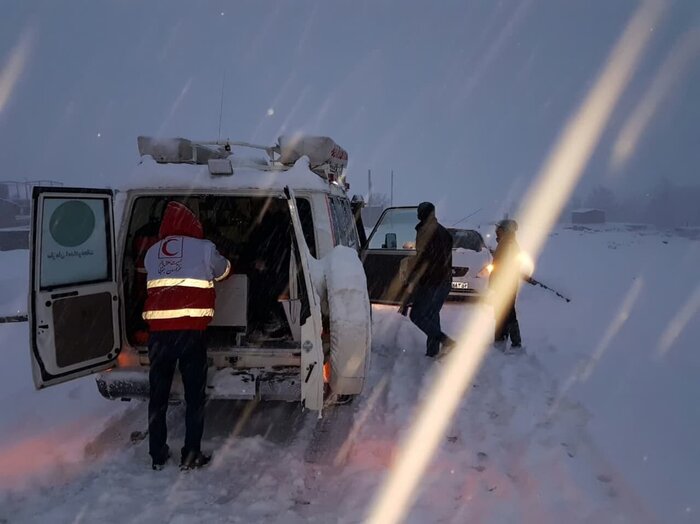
(87, 282)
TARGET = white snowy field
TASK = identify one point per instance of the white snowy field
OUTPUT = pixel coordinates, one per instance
(597, 423)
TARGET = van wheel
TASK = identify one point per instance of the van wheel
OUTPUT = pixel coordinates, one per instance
(345, 399)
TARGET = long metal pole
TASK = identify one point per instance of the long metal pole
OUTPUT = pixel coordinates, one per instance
(392, 188)
(221, 107)
(369, 187)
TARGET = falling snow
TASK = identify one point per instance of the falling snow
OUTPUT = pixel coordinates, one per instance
(542, 457)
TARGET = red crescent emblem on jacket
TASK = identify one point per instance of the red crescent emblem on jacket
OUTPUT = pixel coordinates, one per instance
(164, 247)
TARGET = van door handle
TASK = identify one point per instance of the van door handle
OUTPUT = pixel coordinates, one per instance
(308, 375)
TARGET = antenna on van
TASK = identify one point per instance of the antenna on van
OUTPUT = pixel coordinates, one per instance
(221, 107)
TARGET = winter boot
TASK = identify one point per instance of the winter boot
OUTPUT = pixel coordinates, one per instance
(160, 459)
(194, 460)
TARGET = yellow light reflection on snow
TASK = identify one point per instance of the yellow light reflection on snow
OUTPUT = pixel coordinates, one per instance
(679, 322)
(685, 52)
(623, 314)
(13, 68)
(542, 206)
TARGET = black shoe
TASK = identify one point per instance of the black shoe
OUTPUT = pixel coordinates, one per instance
(194, 460)
(160, 460)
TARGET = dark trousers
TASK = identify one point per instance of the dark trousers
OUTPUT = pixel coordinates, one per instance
(425, 313)
(509, 327)
(188, 349)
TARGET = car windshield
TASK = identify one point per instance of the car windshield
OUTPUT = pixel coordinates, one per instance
(467, 239)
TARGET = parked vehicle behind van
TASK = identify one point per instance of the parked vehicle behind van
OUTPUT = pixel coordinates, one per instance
(393, 241)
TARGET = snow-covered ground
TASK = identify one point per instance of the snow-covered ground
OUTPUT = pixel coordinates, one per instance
(13, 282)
(597, 423)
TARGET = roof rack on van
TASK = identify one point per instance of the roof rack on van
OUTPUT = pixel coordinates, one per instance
(326, 158)
(181, 150)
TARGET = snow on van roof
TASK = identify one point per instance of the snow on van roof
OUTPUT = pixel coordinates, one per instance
(248, 173)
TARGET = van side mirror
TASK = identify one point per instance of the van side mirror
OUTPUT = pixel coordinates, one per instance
(389, 241)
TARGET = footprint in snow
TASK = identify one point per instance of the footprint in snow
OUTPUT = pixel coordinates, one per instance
(481, 457)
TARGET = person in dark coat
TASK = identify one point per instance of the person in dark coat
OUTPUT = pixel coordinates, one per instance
(506, 255)
(430, 277)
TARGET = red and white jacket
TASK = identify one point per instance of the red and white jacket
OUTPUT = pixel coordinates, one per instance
(181, 269)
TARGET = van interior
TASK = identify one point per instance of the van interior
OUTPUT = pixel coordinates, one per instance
(261, 303)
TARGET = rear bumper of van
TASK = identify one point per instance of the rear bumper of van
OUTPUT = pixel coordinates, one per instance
(227, 383)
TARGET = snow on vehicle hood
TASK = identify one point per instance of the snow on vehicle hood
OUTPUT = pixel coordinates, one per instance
(468, 258)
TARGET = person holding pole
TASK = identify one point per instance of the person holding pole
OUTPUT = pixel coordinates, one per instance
(506, 255)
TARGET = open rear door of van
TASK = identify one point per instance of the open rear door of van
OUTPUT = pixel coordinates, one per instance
(392, 240)
(74, 297)
(311, 326)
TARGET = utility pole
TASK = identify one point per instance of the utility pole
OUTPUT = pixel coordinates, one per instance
(369, 187)
(391, 200)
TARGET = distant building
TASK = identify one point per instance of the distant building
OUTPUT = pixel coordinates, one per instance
(588, 216)
(15, 200)
(9, 211)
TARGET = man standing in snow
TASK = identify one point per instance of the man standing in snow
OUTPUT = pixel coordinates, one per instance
(181, 269)
(430, 277)
(506, 255)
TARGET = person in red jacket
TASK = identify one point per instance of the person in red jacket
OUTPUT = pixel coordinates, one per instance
(181, 270)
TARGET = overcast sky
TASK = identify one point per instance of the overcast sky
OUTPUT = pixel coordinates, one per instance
(463, 99)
